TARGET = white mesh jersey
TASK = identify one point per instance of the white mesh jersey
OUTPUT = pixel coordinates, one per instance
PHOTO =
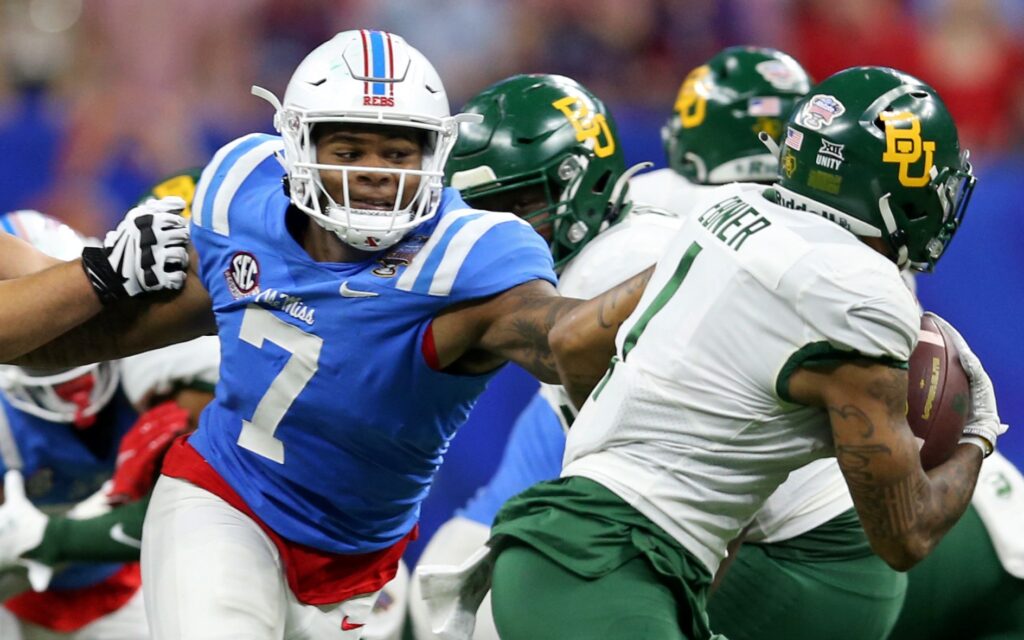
(614, 256)
(692, 424)
(812, 495)
(666, 189)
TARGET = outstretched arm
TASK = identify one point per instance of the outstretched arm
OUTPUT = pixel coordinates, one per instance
(124, 328)
(583, 341)
(39, 307)
(146, 252)
(905, 511)
(19, 258)
(478, 336)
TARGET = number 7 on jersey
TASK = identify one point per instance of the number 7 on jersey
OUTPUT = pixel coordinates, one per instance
(259, 325)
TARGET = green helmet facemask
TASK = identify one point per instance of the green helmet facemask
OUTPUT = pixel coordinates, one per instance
(722, 108)
(544, 130)
(876, 151)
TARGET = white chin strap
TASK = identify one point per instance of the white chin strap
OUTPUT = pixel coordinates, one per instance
(856, 226)
(902, 255)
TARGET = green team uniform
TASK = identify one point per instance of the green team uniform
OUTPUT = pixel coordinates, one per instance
(692, 427)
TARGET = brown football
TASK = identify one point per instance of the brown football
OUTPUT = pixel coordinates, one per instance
(938, 394)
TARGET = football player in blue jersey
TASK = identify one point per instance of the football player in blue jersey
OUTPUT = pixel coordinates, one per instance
(361, 311)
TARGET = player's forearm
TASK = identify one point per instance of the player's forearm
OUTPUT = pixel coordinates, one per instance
(128, 327)
(583, 342)
(526, 342)
(19, 258)
(904, 519)
(42, 306)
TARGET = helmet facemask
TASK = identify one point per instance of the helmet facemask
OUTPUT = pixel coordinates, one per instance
(365, 78)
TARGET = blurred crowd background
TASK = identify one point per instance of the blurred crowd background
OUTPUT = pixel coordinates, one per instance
(99, 98)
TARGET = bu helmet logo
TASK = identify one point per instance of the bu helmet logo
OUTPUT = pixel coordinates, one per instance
(904, 146)
(589, 126)
(692, 101)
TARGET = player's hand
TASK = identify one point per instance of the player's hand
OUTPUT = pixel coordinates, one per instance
(22, 526)
(142, 451)
(983, 419)
(148, 251)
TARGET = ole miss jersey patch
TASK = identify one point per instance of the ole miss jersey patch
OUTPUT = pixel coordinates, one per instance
(243, 275)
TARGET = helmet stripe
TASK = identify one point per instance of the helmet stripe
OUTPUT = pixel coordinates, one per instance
(366, 62)
(391, 65)
(377, 52)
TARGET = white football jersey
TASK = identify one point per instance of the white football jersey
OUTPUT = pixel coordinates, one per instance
(666, 189)
(811, 496)
(693, 425)
(614, 256)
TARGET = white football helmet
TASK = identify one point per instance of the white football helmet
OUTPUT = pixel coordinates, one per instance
(364, 77)
(72, 395)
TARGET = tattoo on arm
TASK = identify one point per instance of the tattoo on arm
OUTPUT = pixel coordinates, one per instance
(610, 305)
(528, 332)
(900, 506)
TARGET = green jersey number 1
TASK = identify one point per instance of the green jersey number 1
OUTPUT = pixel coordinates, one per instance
(660, 301)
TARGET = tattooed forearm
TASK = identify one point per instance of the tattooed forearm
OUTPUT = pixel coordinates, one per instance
(891, 389)
(904, 511)
(614, 306)
(528, 333)
(855, 417)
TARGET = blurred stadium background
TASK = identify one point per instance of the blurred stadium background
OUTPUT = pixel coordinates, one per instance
(100, 98)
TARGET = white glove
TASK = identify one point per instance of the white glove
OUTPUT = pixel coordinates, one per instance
(983, 420)
(22, 526)
(148, 251)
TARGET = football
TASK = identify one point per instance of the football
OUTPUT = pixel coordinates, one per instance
(938, 394)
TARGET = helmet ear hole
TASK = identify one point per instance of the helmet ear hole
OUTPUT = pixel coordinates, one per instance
(602, 183)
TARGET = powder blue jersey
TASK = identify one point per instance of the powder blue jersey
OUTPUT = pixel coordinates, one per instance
(533, 454)
(327, 419)
(63, 466)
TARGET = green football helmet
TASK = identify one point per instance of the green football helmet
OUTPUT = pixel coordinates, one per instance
(722, 108)
(876, 151)
(550, 132)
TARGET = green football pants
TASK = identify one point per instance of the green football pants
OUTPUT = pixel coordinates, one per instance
(631, 602)
(771, 598)
(961, 591)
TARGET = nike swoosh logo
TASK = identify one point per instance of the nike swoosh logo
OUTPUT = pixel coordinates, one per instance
(348, 626)
(346, 292)
(117, 534)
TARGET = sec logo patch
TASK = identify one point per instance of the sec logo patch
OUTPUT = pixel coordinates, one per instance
(243, 275)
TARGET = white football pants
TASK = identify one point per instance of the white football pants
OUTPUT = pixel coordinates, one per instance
(211, 573)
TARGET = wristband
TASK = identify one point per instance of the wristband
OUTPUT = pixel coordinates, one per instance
(980, 442)
(107, 283)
